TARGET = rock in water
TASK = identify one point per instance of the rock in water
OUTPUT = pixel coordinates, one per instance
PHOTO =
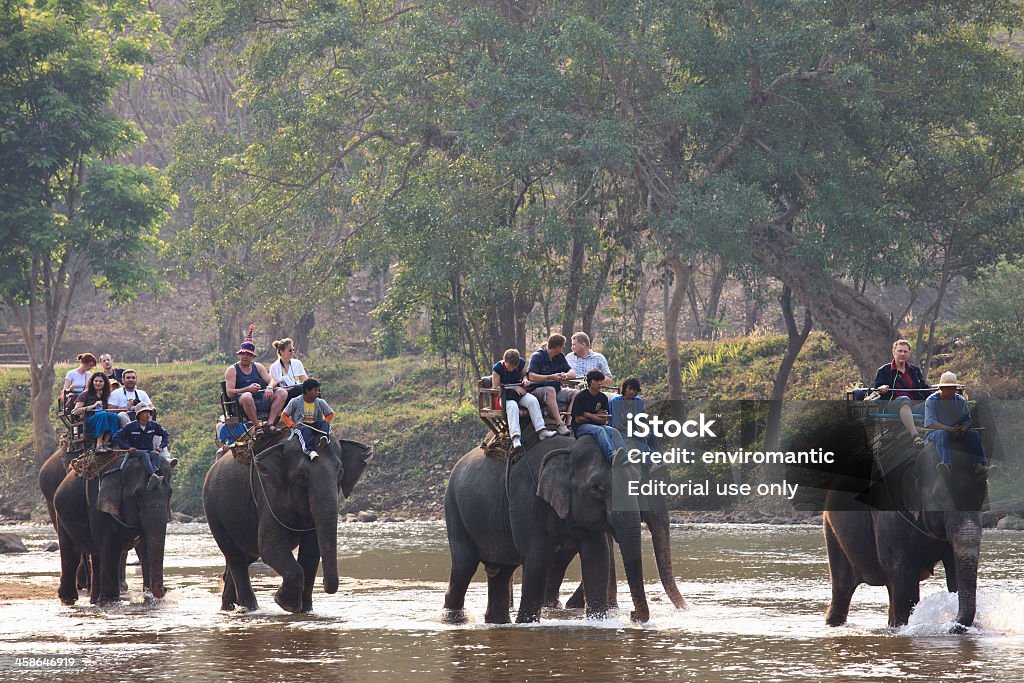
(9, 543)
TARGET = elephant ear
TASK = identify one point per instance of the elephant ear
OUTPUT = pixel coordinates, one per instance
(110, 494)
(555, 481)
(272, 466)
(355, 458)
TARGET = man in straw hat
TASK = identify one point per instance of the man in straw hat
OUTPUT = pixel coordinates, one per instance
(140, 436)
(948, 415)
(248, 382)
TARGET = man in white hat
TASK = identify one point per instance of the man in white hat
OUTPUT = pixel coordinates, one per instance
(146, 437)
(948, 415)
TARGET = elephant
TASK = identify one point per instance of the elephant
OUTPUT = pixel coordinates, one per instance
(506, 515)
(280, 500)
(897, 549)
(654, 513)
(104, 517)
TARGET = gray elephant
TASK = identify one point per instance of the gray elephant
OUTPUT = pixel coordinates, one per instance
(897, 549)
(279, 501)
(104, 517)
(51, 474)
(505, 516)
(654, 513)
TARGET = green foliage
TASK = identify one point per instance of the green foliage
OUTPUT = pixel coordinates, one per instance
(67, 211)
(995, 304)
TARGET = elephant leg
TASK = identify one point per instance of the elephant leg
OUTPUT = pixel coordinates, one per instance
(96, 567)
(465, 560)
(903, 596)
(532, 598)
(844, 580)
(83, 574)
(556, 574)
(309, 559)
(578, 599)
(107, 574)
(70, 561)
(228, 597)
(499, 594)
(613, 583)
(275, 550)
(237, 586)
(594, 554)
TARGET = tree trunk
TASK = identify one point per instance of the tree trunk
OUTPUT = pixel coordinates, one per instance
(794, 342)
(640, 309)
(304, 324)
(572, 288)
(40, 397)
(594, 295)
(681, 273)
(856, 324)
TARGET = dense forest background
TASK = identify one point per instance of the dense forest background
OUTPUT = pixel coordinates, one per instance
(435, 182)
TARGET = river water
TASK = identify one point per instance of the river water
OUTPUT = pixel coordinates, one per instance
(757, 597)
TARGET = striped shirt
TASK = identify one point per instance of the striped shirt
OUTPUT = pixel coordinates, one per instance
(950, 413)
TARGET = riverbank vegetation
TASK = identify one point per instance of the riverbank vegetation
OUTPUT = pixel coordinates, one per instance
(421, 418)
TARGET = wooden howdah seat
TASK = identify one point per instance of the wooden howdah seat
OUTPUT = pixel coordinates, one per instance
(490, 403)
(491, 408)
(233, 413)
(866, 402)
(76, 439)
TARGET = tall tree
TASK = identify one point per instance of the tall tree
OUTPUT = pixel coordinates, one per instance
(70, 215)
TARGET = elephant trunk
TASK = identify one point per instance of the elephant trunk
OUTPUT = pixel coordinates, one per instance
(658, 523)
(626, 525)
(325, 519)
(966, 541)
(155, 540)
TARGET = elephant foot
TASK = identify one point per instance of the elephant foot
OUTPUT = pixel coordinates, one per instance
(288, 605)
(596, 613)
(67, 597)
(575, 602)
(454, 616)
(957, 629)
(158, 592)
(553, 604)
(227, 606)
(640, 616)
(124, 586)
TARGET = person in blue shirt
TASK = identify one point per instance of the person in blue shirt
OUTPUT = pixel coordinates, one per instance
(627, 403)
(508, 373)
(548, 372)
(138, 437)
(948, 415)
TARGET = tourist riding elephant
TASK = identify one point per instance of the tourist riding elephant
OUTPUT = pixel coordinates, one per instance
(654, 513)
(897, 549)
(106, 516)
(280, 500)
(504, 516)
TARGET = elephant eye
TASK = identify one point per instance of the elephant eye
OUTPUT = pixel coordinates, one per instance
(598, 490)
